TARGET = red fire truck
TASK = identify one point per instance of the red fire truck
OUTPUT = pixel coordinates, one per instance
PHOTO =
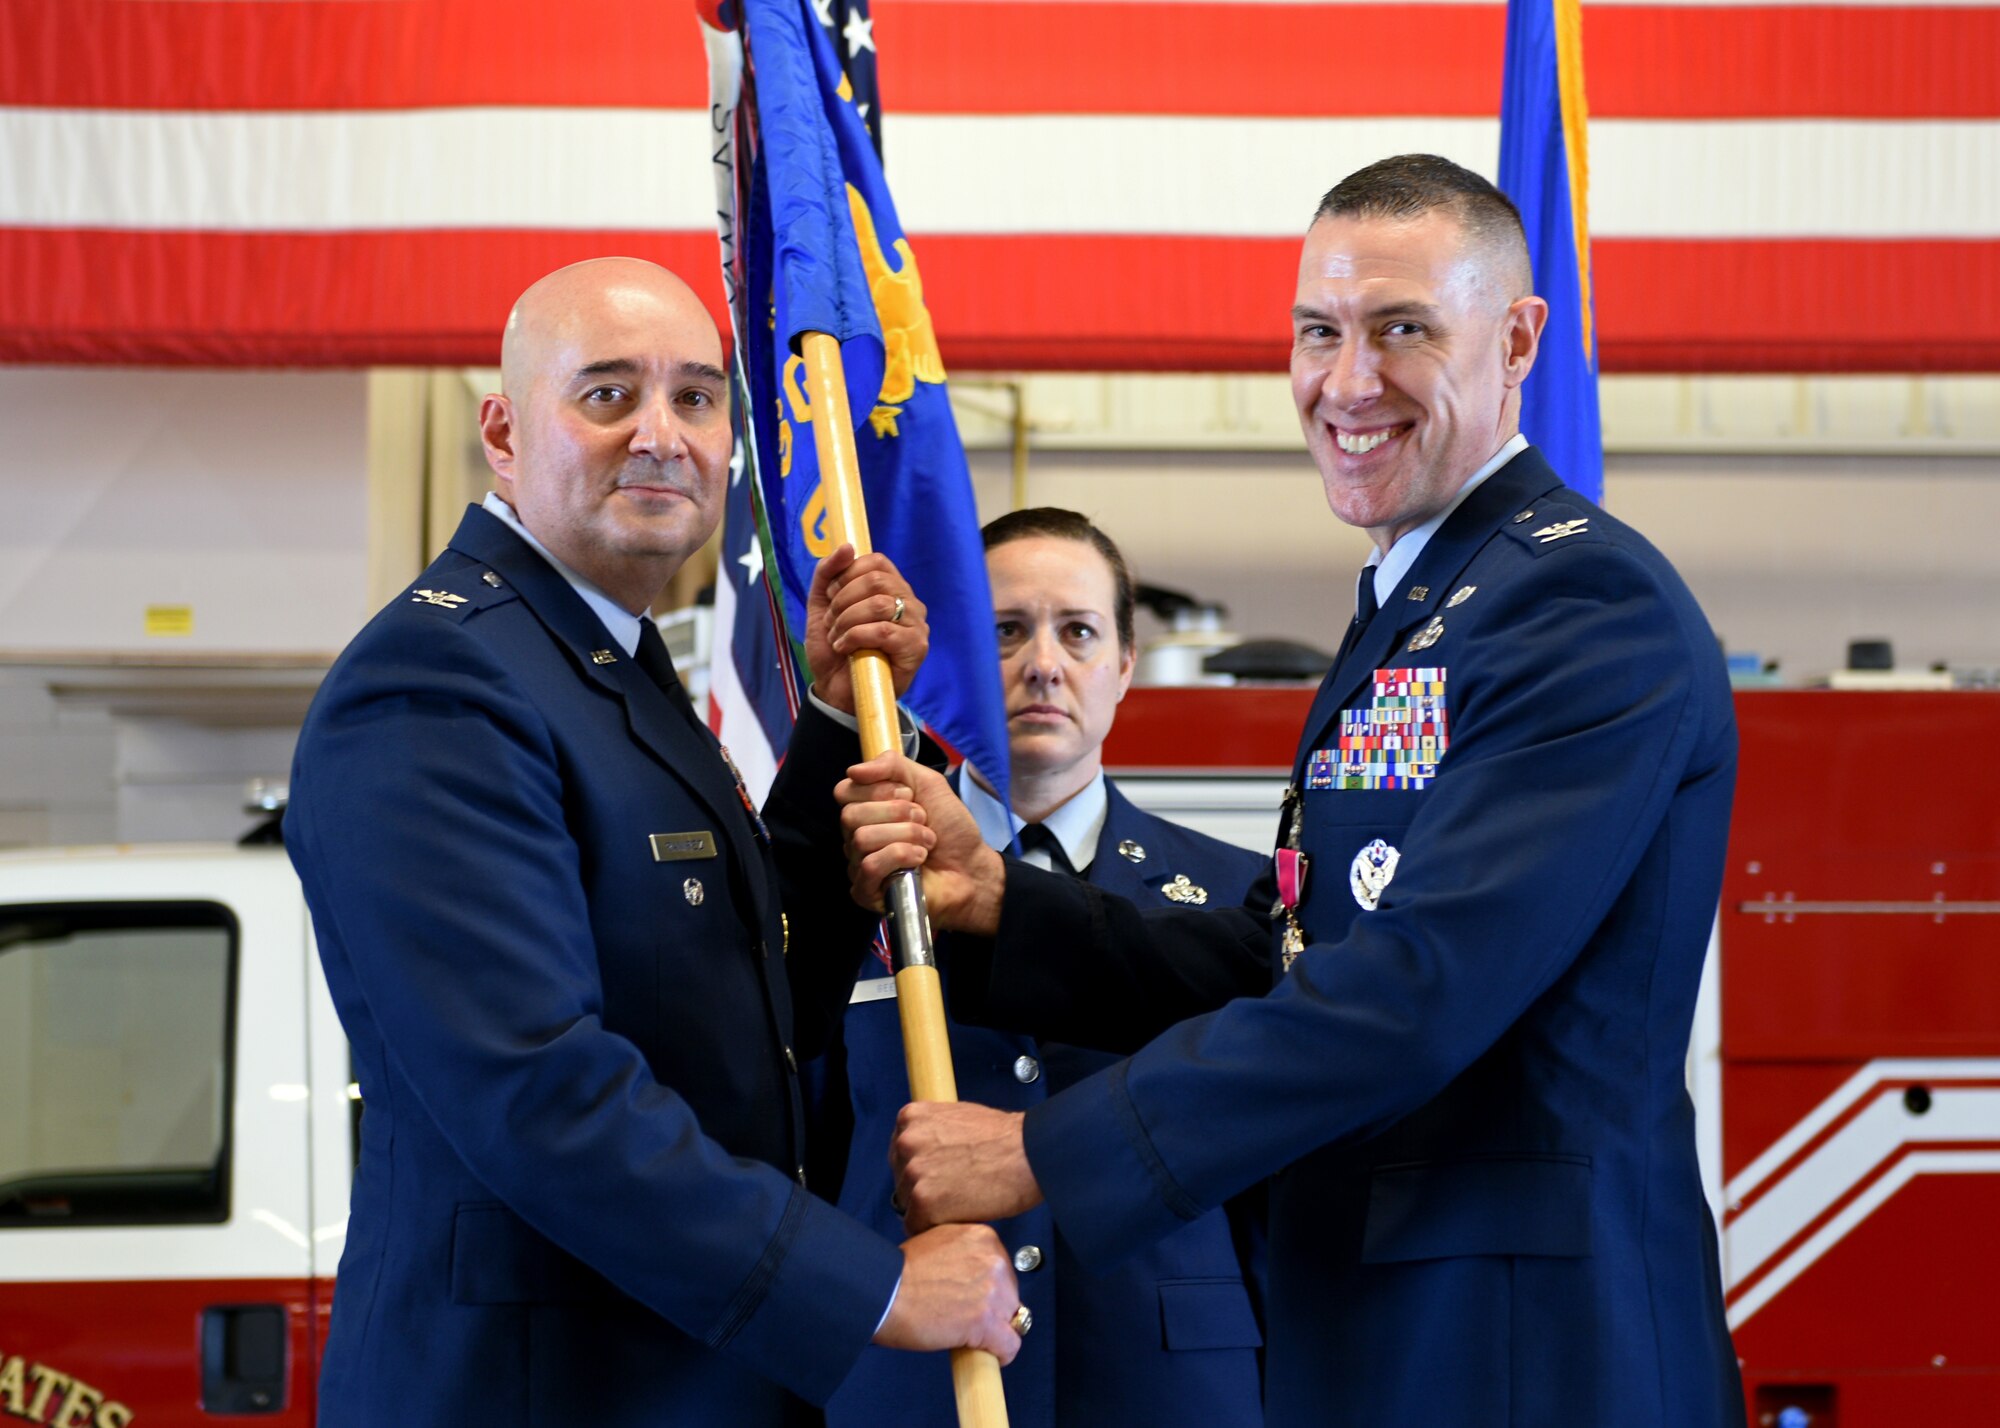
(177, 1123)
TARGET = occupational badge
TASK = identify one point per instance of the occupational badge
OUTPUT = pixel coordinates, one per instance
(1429, 635)
(1181, 890)
(1460, 596)
(1371, 871)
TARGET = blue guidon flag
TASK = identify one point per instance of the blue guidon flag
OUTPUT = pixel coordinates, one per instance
(811, 243)
(1545, 169)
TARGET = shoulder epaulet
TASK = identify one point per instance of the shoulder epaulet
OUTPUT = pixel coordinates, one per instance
(1553, 521)
(459, 593)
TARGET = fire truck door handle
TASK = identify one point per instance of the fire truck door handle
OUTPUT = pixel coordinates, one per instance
(243, 1358)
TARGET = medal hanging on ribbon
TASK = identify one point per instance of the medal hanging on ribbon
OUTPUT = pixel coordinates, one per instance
(743, 792)
(1291, 870)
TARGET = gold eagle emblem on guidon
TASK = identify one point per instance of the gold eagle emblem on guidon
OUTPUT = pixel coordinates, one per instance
(909, 340)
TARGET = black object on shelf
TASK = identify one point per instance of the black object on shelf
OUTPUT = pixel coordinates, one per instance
(1871, 654)
(1270, 659)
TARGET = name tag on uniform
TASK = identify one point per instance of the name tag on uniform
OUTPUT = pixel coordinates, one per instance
(874, 989)
(678, 847)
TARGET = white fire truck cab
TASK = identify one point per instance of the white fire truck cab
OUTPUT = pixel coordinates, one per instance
(176, 1139)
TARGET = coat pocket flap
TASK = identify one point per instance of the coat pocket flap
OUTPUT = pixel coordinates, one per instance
(1525, 1205)
(497, 1259)
(1207, 1314)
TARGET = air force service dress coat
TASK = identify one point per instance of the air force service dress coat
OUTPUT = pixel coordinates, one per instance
(577, 1199)
(1473, 1073)
(1170, 1336)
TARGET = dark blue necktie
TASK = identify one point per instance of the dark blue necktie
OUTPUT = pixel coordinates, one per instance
(1037, 836)
(1365, 607)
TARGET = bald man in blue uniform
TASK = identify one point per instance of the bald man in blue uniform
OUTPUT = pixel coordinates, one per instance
(1453, 1021)
(557, 935)
(1171, 1336)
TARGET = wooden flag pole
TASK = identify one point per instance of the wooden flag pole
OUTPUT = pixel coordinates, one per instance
(975, 1373)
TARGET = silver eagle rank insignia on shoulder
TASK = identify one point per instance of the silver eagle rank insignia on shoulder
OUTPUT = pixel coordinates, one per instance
(437, 597)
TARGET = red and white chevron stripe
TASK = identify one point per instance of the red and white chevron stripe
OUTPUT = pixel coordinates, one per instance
(1093, 183)
(1845, 1159)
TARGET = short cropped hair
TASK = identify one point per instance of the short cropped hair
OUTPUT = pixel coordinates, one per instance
(1069, 525)
(1412, 185)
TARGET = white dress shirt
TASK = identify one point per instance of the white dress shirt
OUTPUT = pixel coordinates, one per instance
(1391, 568)
(619, 623)
(1077, 824)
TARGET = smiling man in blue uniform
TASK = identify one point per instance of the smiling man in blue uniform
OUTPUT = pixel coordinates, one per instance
(1453, 1019)
(1170, 1337)
(556, 931)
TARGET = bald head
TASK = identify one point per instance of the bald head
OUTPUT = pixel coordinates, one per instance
(610, 436)
(558, 314)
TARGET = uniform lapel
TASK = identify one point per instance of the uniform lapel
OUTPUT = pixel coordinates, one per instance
(1110, 869)
(1502, 495)
(686, 750)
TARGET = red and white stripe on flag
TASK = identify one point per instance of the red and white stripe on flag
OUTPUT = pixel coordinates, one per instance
(1096, 183)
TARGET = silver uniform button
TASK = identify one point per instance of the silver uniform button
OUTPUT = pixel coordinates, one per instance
(692, 891)
(1026, 1258)
(791, 1061)
(801, 1173)
(1027, 1069)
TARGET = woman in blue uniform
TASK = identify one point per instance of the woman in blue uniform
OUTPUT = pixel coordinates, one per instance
(1171, 1336)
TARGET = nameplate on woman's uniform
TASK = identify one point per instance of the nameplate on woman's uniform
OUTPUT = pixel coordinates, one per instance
(873, 989)
(677, 847)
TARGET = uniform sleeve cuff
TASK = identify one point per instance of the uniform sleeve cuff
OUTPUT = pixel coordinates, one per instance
(905, 721)
(1099, 1173)
(824, 1283)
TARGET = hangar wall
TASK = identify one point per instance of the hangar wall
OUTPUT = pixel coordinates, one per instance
(181, 553)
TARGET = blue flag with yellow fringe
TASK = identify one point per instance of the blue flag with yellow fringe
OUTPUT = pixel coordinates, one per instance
(1545, 169)
(823, 251)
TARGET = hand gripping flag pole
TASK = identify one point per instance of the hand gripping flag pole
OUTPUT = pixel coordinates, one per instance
(975, 1373)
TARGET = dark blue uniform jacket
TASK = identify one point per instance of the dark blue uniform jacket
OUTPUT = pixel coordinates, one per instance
(578, 1198)
(1488, 1209)
(1168, 1337)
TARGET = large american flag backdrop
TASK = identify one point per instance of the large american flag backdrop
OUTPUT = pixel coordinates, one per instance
(1110, 184)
